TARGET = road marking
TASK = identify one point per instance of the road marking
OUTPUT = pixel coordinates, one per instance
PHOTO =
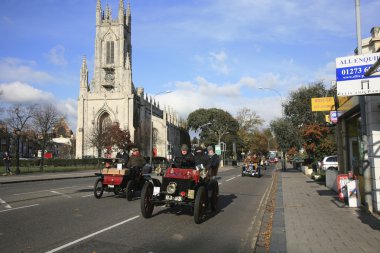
(238, 175)
(89, 195)
(91, 235)
(219, 183)
(62, 194)
(49, 190)
(16, 208)
(5, 203)
(230, 179)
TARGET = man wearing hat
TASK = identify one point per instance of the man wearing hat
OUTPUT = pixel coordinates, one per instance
(200, 157)
(136, 160)
(186, 159)
(213, 163)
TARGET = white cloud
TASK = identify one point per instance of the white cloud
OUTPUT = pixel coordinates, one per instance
(190, 96)
(218, 62)
(56, 55)
(327, 72)
(18, 70)
(23, 93)
(69, 108)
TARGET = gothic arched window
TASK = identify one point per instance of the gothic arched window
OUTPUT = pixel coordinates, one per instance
(110, 52)
(104, 122)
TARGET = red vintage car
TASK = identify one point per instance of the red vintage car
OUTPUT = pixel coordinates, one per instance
(114, 178)
(181, 187)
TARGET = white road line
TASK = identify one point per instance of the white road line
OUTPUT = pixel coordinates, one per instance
(238, 175)
(89, 195)
(49, 190)
(230, 179)
(16, 208)
(219, 183)
(5, 203)
(91, 235)
(62, 194)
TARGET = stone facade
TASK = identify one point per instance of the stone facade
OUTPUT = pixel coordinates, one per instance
(111, 96)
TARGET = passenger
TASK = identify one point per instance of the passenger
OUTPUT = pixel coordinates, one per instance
(135, 163)
(213, 162)
(186, 159)
(123, 155)
(200, 157)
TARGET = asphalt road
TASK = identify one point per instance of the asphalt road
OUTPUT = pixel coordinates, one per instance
(64, 216)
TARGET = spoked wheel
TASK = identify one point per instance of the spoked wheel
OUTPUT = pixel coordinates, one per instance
(200, 205)
(215, 197)
(98, 188)
(130, 189)
(146, 203)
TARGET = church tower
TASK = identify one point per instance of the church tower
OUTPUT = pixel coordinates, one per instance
(109, 97)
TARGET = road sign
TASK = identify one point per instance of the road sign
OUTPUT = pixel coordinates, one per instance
(322, 104)
(218, 151)
(334, 115)
(350, 75)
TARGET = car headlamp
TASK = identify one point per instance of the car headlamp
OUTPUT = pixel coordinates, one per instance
(171, 188)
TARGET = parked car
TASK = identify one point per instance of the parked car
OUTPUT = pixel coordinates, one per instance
(329, 163)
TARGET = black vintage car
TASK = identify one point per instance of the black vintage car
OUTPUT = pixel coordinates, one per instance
(181, 187)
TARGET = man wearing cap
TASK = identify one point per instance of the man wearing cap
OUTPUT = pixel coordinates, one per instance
(186, 159)
(136, 160)
(213, 162)
(124, 156)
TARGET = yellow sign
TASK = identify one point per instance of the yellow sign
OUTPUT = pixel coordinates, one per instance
(327, 118)
(322, 104)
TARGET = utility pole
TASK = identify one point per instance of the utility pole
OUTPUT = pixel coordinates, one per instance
(362, 99)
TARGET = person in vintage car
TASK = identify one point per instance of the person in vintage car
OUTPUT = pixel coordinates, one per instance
(124, 156)
(186, 159)
(200, 156)
(213, 162)
(136, 162)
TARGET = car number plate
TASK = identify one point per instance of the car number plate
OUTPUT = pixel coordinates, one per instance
(156, 191)
(168, 197)
(111, 186)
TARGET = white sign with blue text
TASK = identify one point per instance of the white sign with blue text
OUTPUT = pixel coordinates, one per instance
(350, 75)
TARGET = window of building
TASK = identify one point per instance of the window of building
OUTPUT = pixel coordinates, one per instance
(110, 52)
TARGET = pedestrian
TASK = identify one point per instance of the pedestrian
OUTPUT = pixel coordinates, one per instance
(213, 163)
(7, 163)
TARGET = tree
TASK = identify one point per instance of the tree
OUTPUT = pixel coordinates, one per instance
(298, 107)
(97, 139)
(318, 141)
(287, 136)
(114, 136)
(249, 123)
(18, 118)
(46, 117)
(222, 123)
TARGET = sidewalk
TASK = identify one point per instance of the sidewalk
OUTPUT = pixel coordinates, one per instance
(44, 176)
(316, 221)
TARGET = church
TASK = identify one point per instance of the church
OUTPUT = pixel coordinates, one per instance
(111, 97)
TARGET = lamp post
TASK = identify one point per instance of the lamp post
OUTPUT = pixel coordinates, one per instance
(200, 127)
(278, 93)
(151, 124)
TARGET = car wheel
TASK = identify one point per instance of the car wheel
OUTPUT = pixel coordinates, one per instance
(215, 197)
(98, 188)
(129, 190)
(200, 205)
(146, 203)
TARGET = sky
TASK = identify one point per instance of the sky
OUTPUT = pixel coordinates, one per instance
(210, 53)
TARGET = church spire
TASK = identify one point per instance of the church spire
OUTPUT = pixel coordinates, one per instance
(129, 16)
(98, 12)
(84, 75)
(121, 12)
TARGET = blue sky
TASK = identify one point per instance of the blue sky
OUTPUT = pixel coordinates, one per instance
(211, 53)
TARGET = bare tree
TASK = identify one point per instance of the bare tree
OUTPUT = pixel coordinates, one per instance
(18, 119)
(96, 138)
(45, 119)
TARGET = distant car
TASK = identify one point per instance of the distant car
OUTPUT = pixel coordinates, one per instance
(329, 163)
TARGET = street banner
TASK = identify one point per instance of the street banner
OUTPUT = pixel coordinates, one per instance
(350, 75)
(342, 180)
(334, 115)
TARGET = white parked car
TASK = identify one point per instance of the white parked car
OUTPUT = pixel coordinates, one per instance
(330, 162)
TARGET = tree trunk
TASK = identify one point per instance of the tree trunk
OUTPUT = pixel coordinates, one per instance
(42, 157)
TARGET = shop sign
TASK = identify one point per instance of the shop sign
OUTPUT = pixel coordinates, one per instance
(350, 75)
(322, 104)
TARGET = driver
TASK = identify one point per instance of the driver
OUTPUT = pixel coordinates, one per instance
(186, 159)
(135, 162)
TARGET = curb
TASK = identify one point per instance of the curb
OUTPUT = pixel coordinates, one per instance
(258, 217)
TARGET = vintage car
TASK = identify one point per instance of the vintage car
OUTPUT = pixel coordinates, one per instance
(252, 169)
(181, 187)
(115, 178)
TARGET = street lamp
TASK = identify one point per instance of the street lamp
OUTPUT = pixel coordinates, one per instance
(151, 123)
(282, 101)
(201, 126)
